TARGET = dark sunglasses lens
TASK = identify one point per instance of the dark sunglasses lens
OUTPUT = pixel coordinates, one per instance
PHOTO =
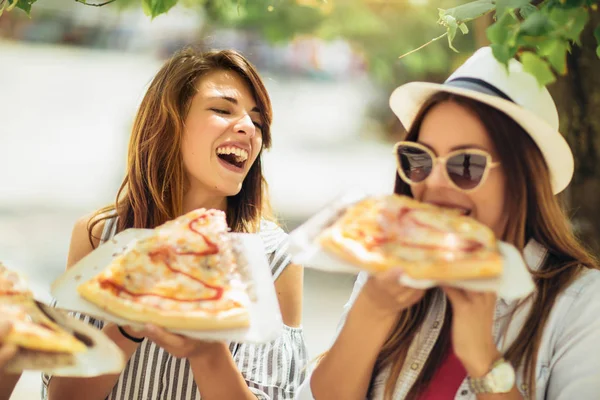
(414, 162)
(466, 170)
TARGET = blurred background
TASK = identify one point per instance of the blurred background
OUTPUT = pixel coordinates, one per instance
(72, 76)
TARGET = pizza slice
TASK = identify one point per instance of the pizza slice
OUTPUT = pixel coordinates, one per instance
(183, 276)
(36, 335)
(426, 241)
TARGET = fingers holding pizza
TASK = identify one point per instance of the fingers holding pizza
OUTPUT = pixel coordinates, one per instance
(472, 328)
(7, 350)
(387, 295)
(177, 345)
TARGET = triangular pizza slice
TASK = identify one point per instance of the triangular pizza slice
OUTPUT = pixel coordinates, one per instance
(183, 276)
(426, 241)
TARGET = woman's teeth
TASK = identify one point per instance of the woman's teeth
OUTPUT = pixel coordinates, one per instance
(241, 154)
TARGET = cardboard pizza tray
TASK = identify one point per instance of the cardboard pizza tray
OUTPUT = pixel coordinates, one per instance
(265, 316)
(102, 355)
(515, 282)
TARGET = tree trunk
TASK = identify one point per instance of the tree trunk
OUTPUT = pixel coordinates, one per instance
(480, 26)
(578, 100)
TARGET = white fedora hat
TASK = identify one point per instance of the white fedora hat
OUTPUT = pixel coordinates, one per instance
(514, 92)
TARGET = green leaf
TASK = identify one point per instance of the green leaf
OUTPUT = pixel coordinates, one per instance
(503, 53)
(537, 24)
(25, 5)
(469, 11)
(555, 51)
(572, 3)
(597, 36)
(154, 8)
(502, 6)
(570, 21)
(527, 10)
(537, 67)
(503, 30)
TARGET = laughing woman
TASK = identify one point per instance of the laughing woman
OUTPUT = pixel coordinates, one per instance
(197, 142)
(485, 142)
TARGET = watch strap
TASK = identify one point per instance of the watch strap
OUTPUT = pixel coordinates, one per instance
(481, 385)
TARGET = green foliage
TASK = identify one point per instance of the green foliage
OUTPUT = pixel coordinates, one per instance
(538, 67)
(154, 8)
(7, 5)
(25, 5)
(276, 20)
(542, 34)
(597, 35)
(503, 6)
(457, 17)
(546, 31)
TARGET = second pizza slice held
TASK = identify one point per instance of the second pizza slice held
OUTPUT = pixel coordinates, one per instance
(183, 276)
(427, 242)
(40, 341)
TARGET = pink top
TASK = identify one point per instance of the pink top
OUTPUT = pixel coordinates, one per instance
(446, 380)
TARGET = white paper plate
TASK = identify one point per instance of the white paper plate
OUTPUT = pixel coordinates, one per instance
(265, 317)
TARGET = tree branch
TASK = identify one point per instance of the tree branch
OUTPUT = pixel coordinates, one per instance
(84, 2)
(424, 45)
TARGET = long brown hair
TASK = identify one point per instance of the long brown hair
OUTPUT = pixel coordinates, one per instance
(535, 213)
(153, 188)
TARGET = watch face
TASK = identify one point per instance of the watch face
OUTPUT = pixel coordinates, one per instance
(502, 377)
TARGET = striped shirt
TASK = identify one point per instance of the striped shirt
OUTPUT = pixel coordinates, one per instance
(272, 371)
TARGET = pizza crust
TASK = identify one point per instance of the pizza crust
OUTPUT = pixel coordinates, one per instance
(27, 359)
(370, 218)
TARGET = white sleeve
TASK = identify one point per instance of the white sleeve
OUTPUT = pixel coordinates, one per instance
(575, 365)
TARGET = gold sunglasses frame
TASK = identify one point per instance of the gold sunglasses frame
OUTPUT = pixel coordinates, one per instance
(489, 164)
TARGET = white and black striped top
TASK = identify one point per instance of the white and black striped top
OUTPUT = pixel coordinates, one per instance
(272, 371)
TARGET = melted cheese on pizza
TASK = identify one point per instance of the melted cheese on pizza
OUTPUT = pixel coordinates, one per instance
(185, 262)
(11, 283)
(400, 227)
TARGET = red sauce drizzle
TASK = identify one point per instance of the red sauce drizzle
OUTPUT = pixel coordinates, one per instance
(119, 288)
(212, 247)
(164, 255)
(12, 293)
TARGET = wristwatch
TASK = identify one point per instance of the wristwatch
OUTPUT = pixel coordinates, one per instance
(500, 379)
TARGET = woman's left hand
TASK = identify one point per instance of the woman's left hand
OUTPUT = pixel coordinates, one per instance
(180, 346)
(472, 329)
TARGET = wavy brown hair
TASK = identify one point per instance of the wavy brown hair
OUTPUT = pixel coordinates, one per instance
(153, 188)
(535, 213)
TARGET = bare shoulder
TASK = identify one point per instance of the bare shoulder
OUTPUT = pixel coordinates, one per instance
(80, 240)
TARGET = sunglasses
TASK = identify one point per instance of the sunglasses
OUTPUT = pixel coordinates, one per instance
(465, 169)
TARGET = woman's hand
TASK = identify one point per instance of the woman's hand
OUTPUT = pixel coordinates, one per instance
(472, 329)
(7, 351)
(387, 295)
(177, 345)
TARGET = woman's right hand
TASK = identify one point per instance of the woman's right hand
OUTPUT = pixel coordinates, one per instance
(345, 371)
(387, 295)
(7, 351)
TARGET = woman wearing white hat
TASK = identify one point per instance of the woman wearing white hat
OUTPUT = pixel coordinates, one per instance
(501, 128)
